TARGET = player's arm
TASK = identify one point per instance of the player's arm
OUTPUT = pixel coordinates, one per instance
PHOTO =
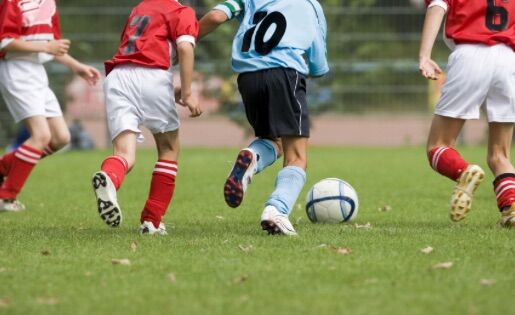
(434, 17)
(220, 14)
(317, 53)
(88, 73)
(186, 52)
(53, 47)
(211, 21)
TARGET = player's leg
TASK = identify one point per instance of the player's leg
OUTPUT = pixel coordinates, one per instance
(112, 173)
(260, 154)
(499, 145)
(288, 185)
(162, 185)
(60, 135)
(23, 160)
(447, 161)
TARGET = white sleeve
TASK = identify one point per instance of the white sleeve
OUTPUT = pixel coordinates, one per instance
(439, 3)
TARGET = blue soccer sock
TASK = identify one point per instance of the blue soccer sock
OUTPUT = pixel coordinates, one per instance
(265, 151)
(288, 184)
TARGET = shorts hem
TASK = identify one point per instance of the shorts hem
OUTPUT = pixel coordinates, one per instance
(23, 117)
(502, 120)
(454, 115)
(174, 128)
(117, 133)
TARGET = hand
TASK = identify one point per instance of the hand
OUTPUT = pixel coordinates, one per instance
(192, 105)
(88, 73)
(58, 47)
(429, 69)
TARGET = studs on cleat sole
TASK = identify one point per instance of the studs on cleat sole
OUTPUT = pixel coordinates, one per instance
(233, 188)
(99, 180)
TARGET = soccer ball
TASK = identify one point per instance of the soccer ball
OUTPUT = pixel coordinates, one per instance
(331, 200)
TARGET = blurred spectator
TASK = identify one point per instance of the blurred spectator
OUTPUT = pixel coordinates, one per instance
(81, 140)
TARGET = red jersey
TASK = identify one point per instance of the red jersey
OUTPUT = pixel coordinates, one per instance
(30, 20)
(488, 22)
(152, 31)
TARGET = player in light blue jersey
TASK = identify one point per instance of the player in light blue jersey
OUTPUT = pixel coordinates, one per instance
(278, 44)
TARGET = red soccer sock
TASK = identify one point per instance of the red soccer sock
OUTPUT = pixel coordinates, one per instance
(6, 162)
(161, 192)
(48, 150)
(115, 167)
(23, 161)
(504, 188)
(447, 161)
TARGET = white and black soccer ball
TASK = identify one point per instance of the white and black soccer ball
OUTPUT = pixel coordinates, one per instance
(332, 200)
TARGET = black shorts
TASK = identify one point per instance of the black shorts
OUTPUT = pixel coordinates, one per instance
(275, 102)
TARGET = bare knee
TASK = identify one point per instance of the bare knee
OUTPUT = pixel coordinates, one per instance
(60, 139)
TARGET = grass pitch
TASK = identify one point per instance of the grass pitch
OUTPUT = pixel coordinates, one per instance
(56, 257)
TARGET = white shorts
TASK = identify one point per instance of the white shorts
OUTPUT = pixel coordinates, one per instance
(479, 75)
(140, 96)
(24, 87)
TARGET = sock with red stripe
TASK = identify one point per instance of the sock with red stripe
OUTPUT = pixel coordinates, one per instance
(7, 159)
(447, 161)
(504, 188)
(24, 160)
(161, 192)
(115, 167)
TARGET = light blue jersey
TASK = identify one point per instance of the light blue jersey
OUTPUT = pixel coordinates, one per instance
(278, 34)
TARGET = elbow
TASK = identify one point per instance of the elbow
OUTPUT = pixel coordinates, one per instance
(216, 17)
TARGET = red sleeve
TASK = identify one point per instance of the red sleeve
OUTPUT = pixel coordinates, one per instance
(183, 24)
(10, 20)
(56, 26)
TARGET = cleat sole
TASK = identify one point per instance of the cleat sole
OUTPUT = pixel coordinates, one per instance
(233, 188)
(107, 206)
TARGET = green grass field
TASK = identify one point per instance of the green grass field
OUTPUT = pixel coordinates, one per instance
(56, 257)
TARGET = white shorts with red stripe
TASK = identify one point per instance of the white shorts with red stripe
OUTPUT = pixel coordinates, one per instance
(138, 96)
(25, 90)
(479, 75)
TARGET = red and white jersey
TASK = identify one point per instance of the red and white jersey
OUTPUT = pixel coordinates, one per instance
(30, 20)
(488, 22)
(152, 31)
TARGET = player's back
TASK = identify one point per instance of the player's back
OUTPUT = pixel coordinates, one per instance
(151, 32)
(277, 33)
(481, 21)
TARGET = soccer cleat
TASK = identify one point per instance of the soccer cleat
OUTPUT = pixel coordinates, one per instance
(240, 177)
(508, 217)
(148, 228)
(276, 222)
(461, 199)
(11, 205)
(107, 205)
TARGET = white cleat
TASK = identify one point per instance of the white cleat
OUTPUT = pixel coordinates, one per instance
(276, 222)
(148, 228)
(461, 200)
(11, 205)
(107, 205)
(508, 217)
(240, 177)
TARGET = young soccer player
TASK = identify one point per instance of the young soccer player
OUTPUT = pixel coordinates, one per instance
(480, 71)
(277, 45)
(139, 91)
(30, 36)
